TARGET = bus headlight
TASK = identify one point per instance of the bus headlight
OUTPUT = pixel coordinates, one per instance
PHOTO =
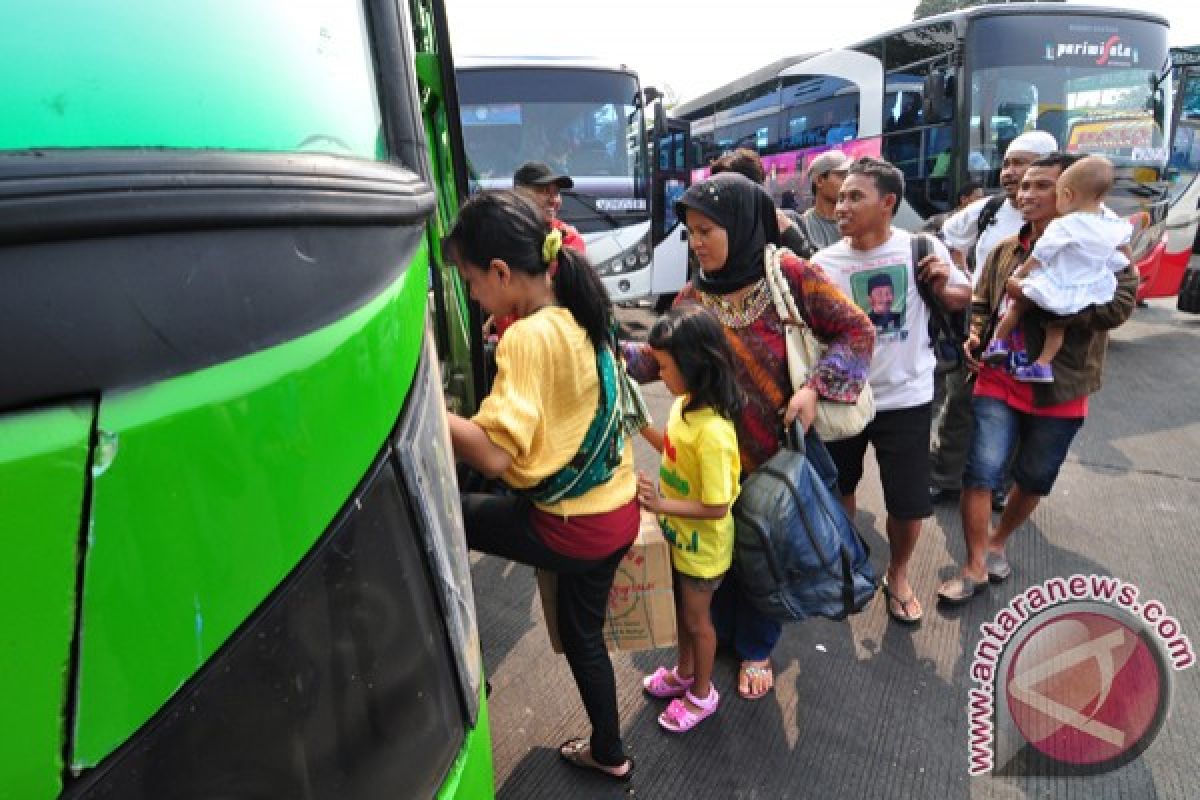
(427, 460)
(635, 257)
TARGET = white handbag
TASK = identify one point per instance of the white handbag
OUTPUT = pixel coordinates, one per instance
(834, 420)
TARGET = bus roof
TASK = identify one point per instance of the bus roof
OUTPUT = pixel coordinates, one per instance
(773, 70)
(748, 81)
(539, 62)
(1010, 9)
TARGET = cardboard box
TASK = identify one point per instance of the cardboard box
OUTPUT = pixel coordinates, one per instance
(641, 604)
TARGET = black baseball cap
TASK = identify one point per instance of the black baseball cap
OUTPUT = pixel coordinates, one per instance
(535, 173)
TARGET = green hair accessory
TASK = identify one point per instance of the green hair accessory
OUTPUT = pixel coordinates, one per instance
(551, 246)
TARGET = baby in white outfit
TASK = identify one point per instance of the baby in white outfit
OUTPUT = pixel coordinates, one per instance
(1072, 266)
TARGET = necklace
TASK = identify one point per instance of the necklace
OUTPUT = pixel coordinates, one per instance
(753, 303)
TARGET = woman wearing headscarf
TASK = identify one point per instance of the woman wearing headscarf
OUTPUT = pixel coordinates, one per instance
(730, 221)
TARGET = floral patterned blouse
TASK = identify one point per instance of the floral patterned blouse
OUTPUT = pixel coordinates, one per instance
(760, 354)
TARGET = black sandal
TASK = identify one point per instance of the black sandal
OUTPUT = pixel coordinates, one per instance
(577, 753)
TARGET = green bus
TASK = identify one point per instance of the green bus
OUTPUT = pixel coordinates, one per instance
(233, 559)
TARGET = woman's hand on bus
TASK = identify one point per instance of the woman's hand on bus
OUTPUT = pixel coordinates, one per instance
(472, 445)
(802, 406)
(783, 220)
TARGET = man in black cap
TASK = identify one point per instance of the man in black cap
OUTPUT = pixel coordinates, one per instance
(543, 186)
(535, 181)
(882, 293)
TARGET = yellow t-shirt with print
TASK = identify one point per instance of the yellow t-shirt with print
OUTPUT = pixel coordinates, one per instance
(700, 462)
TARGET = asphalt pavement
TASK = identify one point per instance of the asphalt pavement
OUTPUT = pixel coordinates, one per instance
(867, 708)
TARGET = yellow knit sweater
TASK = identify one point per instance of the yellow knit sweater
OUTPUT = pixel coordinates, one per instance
(541, 404)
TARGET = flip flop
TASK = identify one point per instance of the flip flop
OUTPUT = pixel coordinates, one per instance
(577, 753)
(903, 615)
(957, 591)
(752, 671)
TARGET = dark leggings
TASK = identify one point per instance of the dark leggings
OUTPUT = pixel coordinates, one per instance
(500, 525)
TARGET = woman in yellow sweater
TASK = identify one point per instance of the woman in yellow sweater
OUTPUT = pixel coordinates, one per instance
(546, 430)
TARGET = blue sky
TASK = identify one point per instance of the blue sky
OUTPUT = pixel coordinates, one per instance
(697, 45)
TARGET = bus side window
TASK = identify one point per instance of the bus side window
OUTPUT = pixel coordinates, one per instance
(818, 110)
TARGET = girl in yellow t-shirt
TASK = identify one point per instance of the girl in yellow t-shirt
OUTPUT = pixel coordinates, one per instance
(698, 482)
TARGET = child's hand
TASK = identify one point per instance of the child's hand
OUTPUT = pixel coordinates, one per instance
(653, 436)
(970, 351)
(647, 492)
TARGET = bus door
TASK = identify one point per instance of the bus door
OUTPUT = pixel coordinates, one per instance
(1183, 175)
(671, 179)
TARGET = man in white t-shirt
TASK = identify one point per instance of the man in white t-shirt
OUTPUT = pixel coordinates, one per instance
(963, 236)
(871, 258)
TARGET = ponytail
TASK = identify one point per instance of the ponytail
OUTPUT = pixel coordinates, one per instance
(505, 225)
(579, 289)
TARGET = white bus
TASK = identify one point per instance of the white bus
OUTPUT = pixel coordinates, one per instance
(942, 98)
(584, 119)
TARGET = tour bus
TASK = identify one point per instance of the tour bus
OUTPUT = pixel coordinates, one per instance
(941, 99)
(1182, 222)
(233, 555)
(584, 119)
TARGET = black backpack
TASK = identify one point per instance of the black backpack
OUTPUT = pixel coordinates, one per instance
(947, 329)
(987, 216)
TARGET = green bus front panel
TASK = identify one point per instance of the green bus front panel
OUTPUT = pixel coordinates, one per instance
(43, 467)
(210, 487)
(270, 75)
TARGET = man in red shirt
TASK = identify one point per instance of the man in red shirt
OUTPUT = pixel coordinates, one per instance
(537, 182)
(544, 186)
(1038, 422)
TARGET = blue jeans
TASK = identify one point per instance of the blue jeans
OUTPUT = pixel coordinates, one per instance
(739, 625)
(1041, 445)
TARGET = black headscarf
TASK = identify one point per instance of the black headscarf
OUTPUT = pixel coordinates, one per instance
(747, 213)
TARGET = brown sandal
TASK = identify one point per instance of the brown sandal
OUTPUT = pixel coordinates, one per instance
(577, 753)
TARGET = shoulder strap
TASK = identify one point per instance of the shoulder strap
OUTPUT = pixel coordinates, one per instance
(987, 214)
(603, 444)
(922, 247)
(798, 339)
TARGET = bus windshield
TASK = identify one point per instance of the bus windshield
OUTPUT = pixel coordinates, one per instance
(1096, 83)
(586, 123)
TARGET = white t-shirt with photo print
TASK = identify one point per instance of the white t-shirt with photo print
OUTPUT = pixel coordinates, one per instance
(903, 364)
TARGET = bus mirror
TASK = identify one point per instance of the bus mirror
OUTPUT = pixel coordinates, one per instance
(660, 122)
(938, 102)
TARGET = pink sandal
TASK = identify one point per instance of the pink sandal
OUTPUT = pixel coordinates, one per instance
(657, 685)
(678, 718)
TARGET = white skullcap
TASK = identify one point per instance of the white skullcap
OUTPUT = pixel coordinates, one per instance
(1038, 142)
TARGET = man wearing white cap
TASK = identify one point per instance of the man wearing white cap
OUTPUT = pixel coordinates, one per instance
(962, 232)
(825, 173)
(975, 231)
